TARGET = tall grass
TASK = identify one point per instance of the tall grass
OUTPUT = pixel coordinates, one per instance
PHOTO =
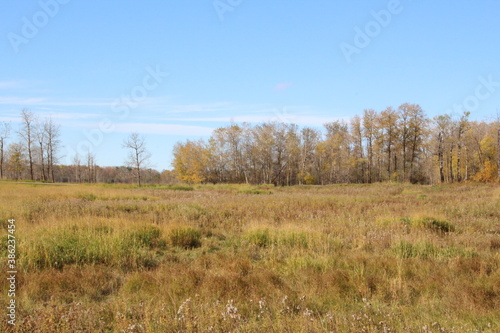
(220, 258)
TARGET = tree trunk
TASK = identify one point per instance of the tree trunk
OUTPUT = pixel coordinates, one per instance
(440, 157)
(1, 159)
(466, 164)
(370, 161)
(450, 161)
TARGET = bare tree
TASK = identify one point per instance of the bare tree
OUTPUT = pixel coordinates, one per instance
(370, 133)
(139, 155)
(52, 133)
(387, 122)
(27, 135)
(462, 126)
(442, 128)
(78, 168)
(4, 134)
(40, 137)
(357, 137)
(91, 168)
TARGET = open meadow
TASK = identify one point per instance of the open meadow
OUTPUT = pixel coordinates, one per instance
(241, 258)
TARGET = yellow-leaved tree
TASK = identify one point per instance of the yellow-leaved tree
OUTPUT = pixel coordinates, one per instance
(190, 161)
(489, 171)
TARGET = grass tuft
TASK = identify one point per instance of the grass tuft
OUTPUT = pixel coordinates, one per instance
(255, 192)
(436, 225)
(185, 237)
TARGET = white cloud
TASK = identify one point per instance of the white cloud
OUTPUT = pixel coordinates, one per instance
(255, 119)
(39, 101)
(20, 101)
(163, 129)
(158, 109)
(10, 84)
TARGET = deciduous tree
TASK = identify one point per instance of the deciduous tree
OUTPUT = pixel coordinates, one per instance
(27, 133)
(138, 155)
(4, 134)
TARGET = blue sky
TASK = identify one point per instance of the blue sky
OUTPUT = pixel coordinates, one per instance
(176, 70)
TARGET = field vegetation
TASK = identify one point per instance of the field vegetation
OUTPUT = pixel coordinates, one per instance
(241, 258)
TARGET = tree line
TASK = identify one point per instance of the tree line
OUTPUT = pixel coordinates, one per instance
(401, 145)
(36, 152)
(35, 155)
(396, 144)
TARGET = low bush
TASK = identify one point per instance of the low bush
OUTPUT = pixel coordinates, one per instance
(436, 225)
(259, 237)
(185, 237)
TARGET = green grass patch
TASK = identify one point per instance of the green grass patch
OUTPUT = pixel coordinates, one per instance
(73, 245)
(254, 192)
(426, 250)
(286, 238)
(259, 237)
(177, 187)
(149, 237)
(87, 196)
(185, 237)
(436, 225)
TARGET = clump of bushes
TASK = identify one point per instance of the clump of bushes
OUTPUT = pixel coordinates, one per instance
(73, 245)
(180, 188)
(87, 196)
(436, 225)
(426, 250)
(149, 236)
(288, 238)
(255, 192)
(430, 223)
(259, 237)
(185, 237)
(67, 246)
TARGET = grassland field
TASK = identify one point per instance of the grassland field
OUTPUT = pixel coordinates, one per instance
(240, 258)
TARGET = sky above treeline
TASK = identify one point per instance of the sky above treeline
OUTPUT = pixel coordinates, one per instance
(176, 70)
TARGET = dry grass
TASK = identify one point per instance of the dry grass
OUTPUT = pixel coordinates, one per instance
(227, 258)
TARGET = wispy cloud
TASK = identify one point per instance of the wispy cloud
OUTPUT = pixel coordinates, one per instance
(10, 84)
(9, 119)
(255, 119)
(200, 107)
(20, 101)
(40, 101)
(163, 129)
(25, 85)
(68, 115)
(161, 110)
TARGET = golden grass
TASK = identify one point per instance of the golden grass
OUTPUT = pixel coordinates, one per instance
(221, 258)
